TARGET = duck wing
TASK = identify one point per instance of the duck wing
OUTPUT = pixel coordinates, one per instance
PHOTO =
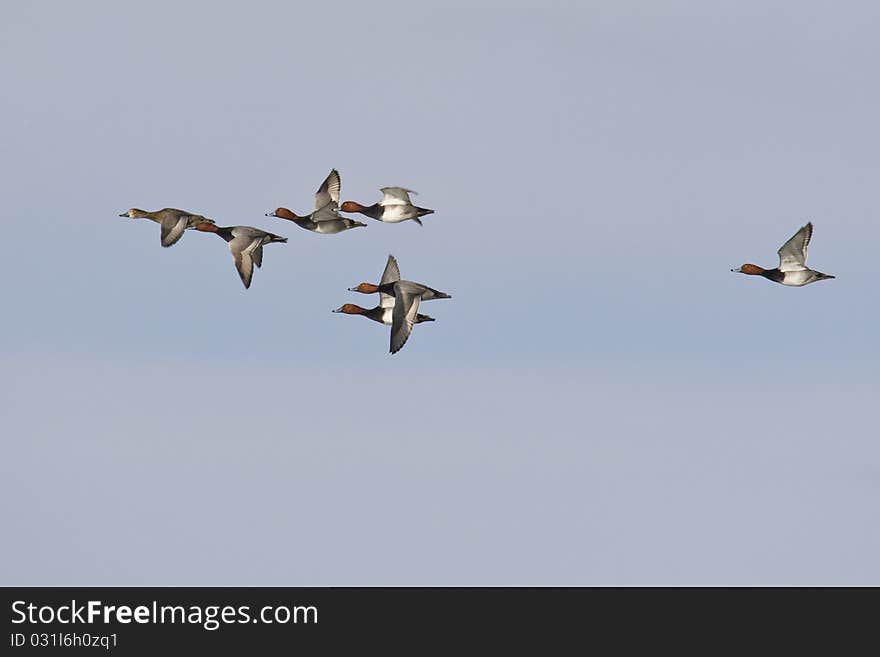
(390, 275)
(328, 191)
(257, 256)
(245, 266)
(242, 248)
(793, 254)
(395, 196)
(173, 227)
(424, 292)
(403, 318)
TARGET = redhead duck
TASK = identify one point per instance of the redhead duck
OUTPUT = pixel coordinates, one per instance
(792, 269)
(383, 312)
(377, 314)
(394, 207)
(324, 218)
(172, 220)
(245, 244)
(407, 296)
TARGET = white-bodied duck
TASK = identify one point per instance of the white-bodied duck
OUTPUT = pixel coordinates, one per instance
(394, 207)
(792, 269)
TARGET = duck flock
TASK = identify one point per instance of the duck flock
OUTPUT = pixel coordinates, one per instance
(398, 299)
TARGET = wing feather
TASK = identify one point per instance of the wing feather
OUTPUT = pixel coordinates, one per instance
(390, 275)
(793, 254)
(173, 229)
(406, 309)
(328, 191)
(243, 255)
(395, 196)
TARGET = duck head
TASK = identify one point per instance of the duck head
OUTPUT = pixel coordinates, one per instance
(282, 213)
(364, 288)
(349, 309)
(352, 206)
(751, 269)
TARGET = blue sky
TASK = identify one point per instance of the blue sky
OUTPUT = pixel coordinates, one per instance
(601, 402)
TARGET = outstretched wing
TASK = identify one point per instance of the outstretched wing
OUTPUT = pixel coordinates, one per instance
(390, 275)
(395, 196)
(328, 191)
(406, 309)
(172, 229)
(243, 254)
(793, 254)
(245, 266)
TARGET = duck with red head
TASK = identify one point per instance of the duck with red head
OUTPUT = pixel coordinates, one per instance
(398, 302)
(245, 244)
(324, 219)
(792, 269)
(424, 292)
(394, 207)
(380, 314)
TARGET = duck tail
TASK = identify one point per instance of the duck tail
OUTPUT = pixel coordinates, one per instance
(423, 211)
(276, 238)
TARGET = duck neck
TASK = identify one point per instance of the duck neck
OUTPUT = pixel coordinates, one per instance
(225, 232)
(284, 213)
(305, 222)
(387, 288)
(773, 274)
(374, 211)
(376, 314)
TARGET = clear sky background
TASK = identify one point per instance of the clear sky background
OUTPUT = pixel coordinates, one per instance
(601, 402)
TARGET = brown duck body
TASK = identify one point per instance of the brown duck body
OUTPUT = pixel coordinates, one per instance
(173, 222)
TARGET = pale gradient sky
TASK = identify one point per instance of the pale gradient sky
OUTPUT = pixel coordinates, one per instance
(601, 402)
